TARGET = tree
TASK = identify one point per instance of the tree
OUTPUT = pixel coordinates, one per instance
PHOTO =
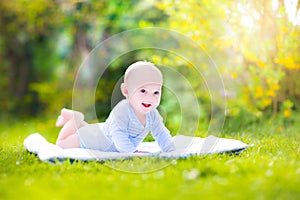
(44, 42)
(253, 43)
(25, 29)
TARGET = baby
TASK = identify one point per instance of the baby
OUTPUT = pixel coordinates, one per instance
(129, 122)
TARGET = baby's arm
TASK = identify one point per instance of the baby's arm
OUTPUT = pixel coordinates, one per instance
(164, 140)
(162, 134)
(121, 140)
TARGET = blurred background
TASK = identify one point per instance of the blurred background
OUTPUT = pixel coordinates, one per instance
(254, 44)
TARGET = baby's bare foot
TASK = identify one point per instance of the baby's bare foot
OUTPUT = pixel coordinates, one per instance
(60, 121)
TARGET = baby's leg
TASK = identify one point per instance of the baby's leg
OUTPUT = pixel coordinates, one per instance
(66, 115)
(70, 142)
(67, 137)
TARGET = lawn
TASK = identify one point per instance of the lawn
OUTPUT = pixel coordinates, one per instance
(270, 169)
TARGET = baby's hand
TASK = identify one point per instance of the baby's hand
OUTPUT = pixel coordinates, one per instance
(137, 151)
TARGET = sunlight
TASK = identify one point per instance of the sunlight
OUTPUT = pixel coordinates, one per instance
(247, 18)
(292, 11)
(247, 21)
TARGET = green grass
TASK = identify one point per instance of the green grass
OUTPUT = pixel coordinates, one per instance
(268, 170)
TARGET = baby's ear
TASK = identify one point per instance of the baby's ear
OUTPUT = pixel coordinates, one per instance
(124, 89)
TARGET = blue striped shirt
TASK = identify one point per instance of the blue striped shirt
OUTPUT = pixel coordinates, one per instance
(125, 132)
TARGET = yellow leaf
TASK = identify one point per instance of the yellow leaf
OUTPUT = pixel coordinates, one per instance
(258, 92)
(251, 56)
(286, 113)
(279, 38)
(266, 102)
(284, 29)
(261, 64)
(271, 93)
(234, 75)
(275, 87)
(288, 62)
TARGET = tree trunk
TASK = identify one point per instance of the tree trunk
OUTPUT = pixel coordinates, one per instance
(19, 72)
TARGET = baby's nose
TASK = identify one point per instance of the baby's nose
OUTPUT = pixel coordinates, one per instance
(149, 98)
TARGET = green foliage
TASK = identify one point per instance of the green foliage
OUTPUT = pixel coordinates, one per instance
(43, 43)
(25, 31)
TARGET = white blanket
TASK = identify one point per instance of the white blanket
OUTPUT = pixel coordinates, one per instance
(185, 146)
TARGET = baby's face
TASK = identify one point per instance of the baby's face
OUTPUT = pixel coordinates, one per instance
(145, 98)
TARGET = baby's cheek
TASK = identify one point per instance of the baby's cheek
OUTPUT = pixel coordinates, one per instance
(136, 100)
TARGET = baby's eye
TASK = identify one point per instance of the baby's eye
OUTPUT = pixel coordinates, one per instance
(142, 90)
(156, 92)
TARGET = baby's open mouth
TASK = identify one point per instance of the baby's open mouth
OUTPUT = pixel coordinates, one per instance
(146, 105)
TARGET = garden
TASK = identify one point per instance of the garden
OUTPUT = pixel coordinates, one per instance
(230, 69)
